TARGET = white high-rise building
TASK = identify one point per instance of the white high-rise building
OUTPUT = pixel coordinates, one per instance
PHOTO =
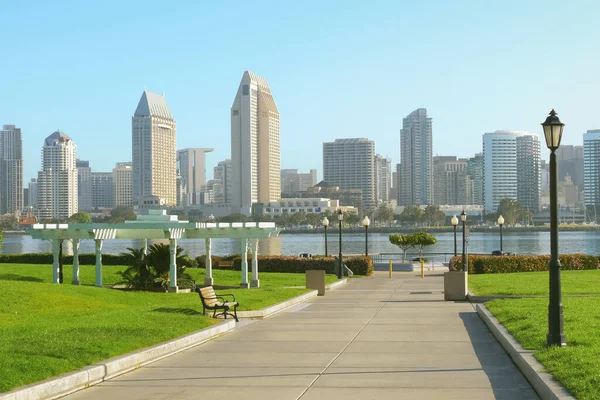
(33, 193)
(192, 169)
(222, 173)
(84, 185)
(255, 156)
(416, 159)
(350, 164)
(591, 171)
(511, 162)
(153, 152)
(11, 170)
(57, 181)
(451, 181)
(123, 187)
(383, 179)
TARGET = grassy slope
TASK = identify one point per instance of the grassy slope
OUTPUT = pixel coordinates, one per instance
(534, 283)
(576, 366)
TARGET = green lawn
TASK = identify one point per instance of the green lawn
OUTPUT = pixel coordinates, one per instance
(49, 329)
(576, 366)
(534, 283)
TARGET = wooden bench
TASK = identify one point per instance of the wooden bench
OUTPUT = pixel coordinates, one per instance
(211, 301)
(225, 264)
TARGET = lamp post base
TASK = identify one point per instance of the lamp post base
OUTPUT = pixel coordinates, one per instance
(556, 338)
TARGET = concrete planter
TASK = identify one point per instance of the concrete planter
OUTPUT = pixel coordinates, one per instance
(315, 279)
(455, 285)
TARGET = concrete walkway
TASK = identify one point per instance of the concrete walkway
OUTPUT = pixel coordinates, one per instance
(375, 338)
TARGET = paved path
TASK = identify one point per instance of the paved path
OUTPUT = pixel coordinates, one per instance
(374, 338)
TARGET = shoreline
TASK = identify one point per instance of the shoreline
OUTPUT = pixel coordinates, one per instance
(449, 229)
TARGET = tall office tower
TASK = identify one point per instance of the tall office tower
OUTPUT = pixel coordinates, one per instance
(192, 169)
(383, 178)
(416, 176)
(122, 184)
(529, 182)
(569, 161)
(57, 181)
(153, 151)
(11, 170)
(475, 173)
(84, 185)
(394, 190)
(545, 176)
(591, 170)
(350, 164)
(450, 180)
(103, 190)
(33, 193)
(397, 183)
(255, 157)
(501, 160)
(292, 181)
(222, 172)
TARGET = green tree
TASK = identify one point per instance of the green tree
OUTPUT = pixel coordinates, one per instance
(411, 215)
(121, 214)
(8, 223)
(314, 219)
(80, 218)
(433, 215)
(511, 210)
(351, 219)
(421, 240)
(405, 242)
(385, 214)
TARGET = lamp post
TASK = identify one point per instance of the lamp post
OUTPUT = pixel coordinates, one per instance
(454, 222)
(325, 225)
(340, 217)
(553, 130)
(463, 218)
(500, 222)
(366, 223)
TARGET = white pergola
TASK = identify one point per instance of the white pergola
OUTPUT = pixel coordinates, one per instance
(158, 225)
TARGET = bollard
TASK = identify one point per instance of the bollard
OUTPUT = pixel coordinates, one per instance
(390, 268)
(422, 268)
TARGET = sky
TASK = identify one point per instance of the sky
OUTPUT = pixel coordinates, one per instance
(337, 69)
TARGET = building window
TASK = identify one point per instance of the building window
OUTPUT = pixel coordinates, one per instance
(235, 113)
(245, 90)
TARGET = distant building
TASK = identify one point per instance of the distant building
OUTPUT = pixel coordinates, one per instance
(529, 182)
(103, 190)
(383, 179)
(305, 204)
(475, 174)
(192, 169)
(350, 164)
(123, 184)
(57, 181)
(222, 172)
(153, 152)
(569, 162)
(84, 185)
(255, 152)
(591, 168)
(451, 181)
(416, 175)
(33, 193)
(397, 182)
(11, 170)
(292, 181)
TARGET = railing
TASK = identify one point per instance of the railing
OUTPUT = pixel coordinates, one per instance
(431, 257)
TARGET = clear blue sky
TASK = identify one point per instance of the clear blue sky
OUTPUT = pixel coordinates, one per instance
(336, 68)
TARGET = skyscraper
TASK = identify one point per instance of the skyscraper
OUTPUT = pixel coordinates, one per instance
(11, 170)
(350, 164)
(84, 185)
(451, 181)
(122, 181)
(153, 151)
(503, 156)
(292, 181)
(103, 190)
(57, 181)
(222, 173)
(591, 171)
(255, 157)
(569, 161)
(475, 173)
(383, 176)
(192, 168)
(416, 175)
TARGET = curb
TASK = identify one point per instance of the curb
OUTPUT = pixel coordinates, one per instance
(336, 284)
(482, 299)
(543, 383)
(268, 311)
(62, 385)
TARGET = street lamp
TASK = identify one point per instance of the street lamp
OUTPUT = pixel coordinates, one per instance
(454, 222)
(366, 223)
(340, 217)
(325, 225)
(500, 222)
(553, 130)
(463, 218)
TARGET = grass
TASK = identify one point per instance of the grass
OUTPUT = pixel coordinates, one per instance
(49, 329)
(576, 366)
(534, 283)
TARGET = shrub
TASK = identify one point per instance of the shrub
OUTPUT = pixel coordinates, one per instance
(292, 264)
(46, 258)
(201, 261)
(507, 264)
(360, 265)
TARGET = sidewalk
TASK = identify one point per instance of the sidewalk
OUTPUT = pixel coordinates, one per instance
(374, 338)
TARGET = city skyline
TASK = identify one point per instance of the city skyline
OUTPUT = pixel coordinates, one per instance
(311, 96)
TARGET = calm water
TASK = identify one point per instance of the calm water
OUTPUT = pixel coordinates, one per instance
(289, 244)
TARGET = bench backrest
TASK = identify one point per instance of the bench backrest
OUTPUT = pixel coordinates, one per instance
(207, 295)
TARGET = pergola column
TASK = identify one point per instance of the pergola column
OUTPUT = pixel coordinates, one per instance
(244, 252)
(98, 262)
(145, 246)
(75, 280)
(255, 283)
(173, 266)
(55, 271)
(208, 278)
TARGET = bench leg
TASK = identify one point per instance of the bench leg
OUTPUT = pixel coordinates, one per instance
(235, 314)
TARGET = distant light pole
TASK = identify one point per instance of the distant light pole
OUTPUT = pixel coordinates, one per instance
(454, 222)
(553, 130)
(463, 218)
(325, 225)
(340, 216)
(366, 223)
(500, 222)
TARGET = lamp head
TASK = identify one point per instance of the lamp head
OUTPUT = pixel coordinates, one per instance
(500, 220)
(553, 130)
(340, 215)
(463, 216)
(325, 222)
(366, 221)
(454, 221)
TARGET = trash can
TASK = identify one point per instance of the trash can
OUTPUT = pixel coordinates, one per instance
(315, 279)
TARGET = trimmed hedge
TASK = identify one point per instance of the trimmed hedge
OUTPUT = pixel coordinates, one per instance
(508, 264)
(46, 258)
